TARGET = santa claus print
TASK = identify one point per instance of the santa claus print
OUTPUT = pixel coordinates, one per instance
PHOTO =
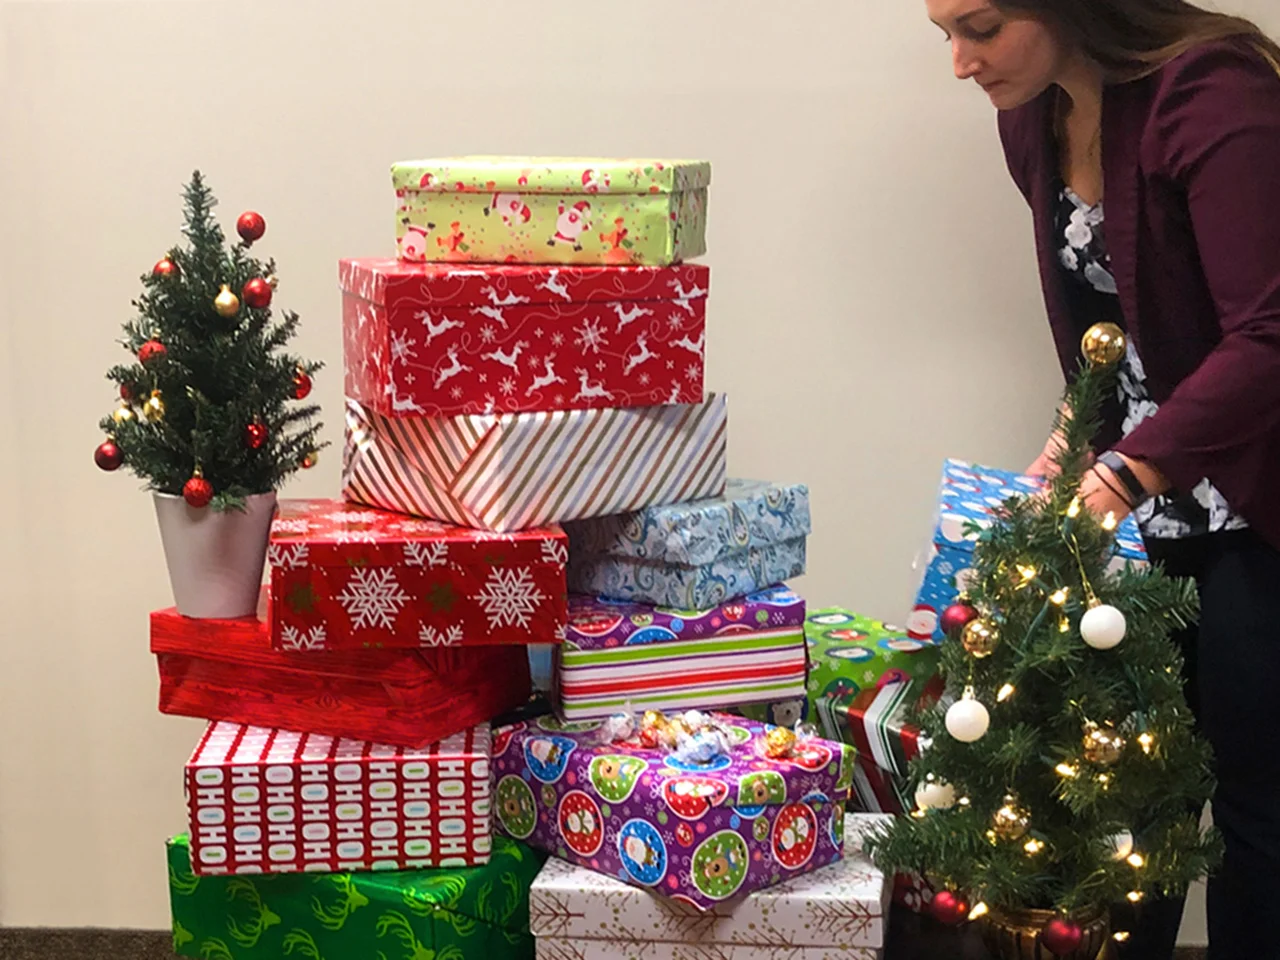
(570, 224)
(511, 207)
(413, 245)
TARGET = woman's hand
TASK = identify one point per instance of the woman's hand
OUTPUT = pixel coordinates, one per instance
(1100, 496)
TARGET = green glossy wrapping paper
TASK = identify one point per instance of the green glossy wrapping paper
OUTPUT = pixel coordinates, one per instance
(448, 914)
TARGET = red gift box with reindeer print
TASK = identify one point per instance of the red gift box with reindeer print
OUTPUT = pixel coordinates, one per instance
(447, 339)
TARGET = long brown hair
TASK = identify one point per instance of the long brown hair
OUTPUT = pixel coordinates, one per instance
(1132, 38)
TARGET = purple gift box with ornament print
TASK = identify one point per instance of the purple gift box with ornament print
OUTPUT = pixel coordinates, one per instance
(701, 833)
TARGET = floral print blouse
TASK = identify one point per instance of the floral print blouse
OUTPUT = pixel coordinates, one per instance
(1083, 254)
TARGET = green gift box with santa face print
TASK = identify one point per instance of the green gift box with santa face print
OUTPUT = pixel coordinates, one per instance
(447, 914)
(483, 209)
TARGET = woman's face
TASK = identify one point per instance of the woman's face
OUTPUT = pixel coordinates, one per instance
(1013, 59)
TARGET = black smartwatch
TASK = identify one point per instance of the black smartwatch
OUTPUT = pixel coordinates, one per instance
(1115, 463)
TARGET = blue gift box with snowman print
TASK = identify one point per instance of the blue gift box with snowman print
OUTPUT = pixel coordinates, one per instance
(697, 554)
(969, 494)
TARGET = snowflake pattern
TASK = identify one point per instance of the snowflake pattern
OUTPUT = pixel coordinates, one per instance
(537, 332)
(290, 526)
(456, 393)
(590, 337)
(557, 339)
(675, 321)
(348, 535)
(555, 552)
(692, 372)
(486, 333)
(429, 636)
(508, 386)
(352, 516)
(402, 348)
(373, 598)
(291, 638)
(643, 379)
(509, 598)
(419, 553)
(290, 555)
(417, 527)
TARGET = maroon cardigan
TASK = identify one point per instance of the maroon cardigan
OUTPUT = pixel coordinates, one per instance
(1191, 167)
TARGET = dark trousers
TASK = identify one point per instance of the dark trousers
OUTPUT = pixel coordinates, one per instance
(1233, 687)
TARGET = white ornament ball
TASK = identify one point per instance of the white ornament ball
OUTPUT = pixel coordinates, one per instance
(968, 720)
(1122, 845)
(935, 795)
(1102, 627)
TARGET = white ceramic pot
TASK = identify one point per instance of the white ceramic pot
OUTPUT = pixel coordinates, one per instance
(215, 559)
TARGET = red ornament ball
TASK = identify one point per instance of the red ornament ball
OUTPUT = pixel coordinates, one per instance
(164, 268)
(128, 392)
(151, 350)
(257, 293)
(197, 492)
(251, 226)
(1060, 936)
(108, 456)
(949, 908)
(255, 435)
(301, 385)
(956, 617)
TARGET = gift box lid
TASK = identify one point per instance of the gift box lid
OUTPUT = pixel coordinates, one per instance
(601, 624)
(247, 641)
(843, 906)
(490, 290)
(970, 492)
(745, 778)
(225, 745)
(324, 532)
(568, 175)
(750, 513)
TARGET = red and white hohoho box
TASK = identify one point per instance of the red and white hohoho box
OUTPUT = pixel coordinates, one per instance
(445, 339)
(275, 801)
(348, 577)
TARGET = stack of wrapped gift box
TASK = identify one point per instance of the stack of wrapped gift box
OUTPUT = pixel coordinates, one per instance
(525, 376)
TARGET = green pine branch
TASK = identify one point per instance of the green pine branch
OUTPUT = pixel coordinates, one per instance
(218, 375)
(1053, 685)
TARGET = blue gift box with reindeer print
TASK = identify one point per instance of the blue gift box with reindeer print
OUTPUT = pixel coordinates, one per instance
(446, 914)
(696, 554)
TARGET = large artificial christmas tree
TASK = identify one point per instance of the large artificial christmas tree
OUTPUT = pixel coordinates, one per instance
(1063, 772)
(210, 408)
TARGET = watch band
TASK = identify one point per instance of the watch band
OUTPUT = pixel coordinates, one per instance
(1115, 463)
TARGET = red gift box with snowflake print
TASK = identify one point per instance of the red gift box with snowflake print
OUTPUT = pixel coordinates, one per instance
(346, 577)
(441, 339)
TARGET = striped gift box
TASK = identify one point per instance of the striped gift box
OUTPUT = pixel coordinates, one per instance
(511, 471)
(744, 651)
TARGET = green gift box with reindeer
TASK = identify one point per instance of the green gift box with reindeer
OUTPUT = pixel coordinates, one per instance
(447, 914)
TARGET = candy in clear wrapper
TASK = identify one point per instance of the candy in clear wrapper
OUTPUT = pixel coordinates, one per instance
(703, 747)
(778, 743)
(619, 727)
(806, 731)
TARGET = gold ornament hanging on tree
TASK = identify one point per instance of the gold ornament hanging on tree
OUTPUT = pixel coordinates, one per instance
(1104, 344)
(1011, 821)
(226, 303)
(123, 413)
(980, 638)
(1102, 745)
(153, 409)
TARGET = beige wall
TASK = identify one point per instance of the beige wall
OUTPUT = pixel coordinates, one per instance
(874, 307)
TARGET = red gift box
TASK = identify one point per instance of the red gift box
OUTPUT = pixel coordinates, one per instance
(262, 800)
(346, 578)
(439, 339)
(226, 670)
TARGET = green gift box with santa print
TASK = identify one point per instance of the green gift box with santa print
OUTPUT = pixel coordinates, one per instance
(447, 914)
(484, 209)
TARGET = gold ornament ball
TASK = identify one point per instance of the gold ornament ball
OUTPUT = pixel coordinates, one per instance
(226, 303)
(123, 413)
(310, 460)
(1104, 344)
(1011, 821)
(153, 409)
(980, 638)
(1102, 745)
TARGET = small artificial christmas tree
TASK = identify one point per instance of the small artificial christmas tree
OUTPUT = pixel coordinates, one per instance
(1066, 774)
(209, 409)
